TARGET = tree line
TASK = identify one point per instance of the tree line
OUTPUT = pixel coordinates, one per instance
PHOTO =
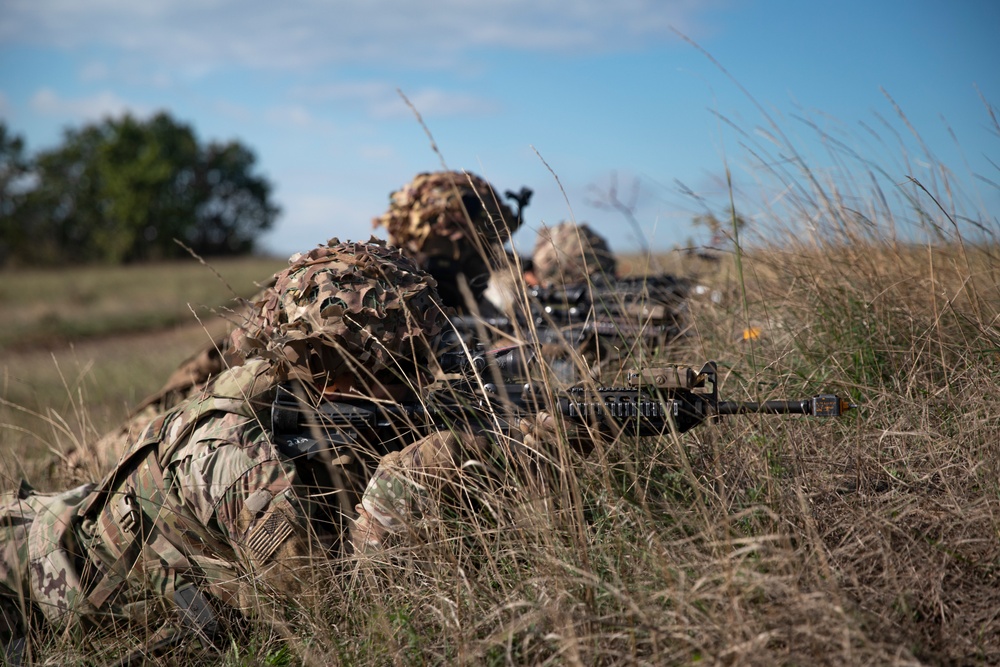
(122, 190)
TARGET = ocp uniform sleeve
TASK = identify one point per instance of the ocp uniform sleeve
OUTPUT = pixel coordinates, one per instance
(237, 484)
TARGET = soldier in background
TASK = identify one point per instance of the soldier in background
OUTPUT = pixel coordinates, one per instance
(454, 224)
(439, 474)
(609, 320)
(211, 506)
(570, 254)
(565, 255)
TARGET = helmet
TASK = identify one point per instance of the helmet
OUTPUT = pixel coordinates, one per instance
(340, 308)
(569, 253)
(437, 211)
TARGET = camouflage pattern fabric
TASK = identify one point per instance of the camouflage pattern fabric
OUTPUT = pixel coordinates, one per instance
(91, 460)
(204, 502)
(454, 226)
(441, 468)
(398, 493)
(37, 550)
(432, 202)
(195, 372)
(341, 308)
(203, 499)
(437, 211)
(569, 254)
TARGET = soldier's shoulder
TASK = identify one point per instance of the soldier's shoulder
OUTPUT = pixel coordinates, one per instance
(227, 445)
(254, 380)
(247, 390)
(235, 408)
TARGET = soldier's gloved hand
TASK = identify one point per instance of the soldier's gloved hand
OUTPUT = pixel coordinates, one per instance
(541, 432)
(538, 431)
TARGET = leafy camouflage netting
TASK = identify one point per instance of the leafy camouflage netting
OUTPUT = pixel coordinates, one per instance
(432, 214)
(569, 253)
(343, 306)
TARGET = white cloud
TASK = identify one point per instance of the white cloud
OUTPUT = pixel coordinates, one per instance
(231, 110)
(265, 34)
(94, 107)
(381, 100)
(365, 92)
(94, 71)
(298, 117)
(432, 102)
(291, 115)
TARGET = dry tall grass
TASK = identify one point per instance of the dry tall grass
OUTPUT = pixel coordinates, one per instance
(869, 540)
(873, 539)
(761, 540)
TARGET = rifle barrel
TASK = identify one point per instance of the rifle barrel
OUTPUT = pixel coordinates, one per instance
(824, 405)
(802, 407)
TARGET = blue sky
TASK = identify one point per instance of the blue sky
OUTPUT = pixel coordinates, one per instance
(603, 92)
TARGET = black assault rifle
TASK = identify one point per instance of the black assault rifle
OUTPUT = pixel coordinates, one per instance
(650, 309)
(491, 394)
(657, 299)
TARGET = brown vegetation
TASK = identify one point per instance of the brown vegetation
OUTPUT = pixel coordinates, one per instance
(868, 540)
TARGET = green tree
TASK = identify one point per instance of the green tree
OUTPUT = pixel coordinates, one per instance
(229, 210)
(14, 185)
(122, 190)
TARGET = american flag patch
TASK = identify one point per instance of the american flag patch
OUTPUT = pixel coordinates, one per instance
(268, 535)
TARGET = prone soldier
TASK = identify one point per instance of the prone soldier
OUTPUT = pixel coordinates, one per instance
(570, 254)
(610, 320)
(452, 224)
(209, 506)
(218, 500)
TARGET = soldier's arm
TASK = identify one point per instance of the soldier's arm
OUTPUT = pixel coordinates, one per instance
(269, 527)
(250, 496)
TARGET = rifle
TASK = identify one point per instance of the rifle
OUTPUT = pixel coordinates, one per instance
(494, 390)
(653, 298)
(649, 309)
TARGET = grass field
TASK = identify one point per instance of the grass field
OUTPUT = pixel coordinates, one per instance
(80, 346)
(45, 307)
(873, 539)
(868, 540)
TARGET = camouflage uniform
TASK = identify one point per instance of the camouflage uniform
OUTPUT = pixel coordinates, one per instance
(453, 224)
(93, 459)
(191, 378)
(210, 502)
(568, 254)
(448, 470)
(631, 317)
(203, 503)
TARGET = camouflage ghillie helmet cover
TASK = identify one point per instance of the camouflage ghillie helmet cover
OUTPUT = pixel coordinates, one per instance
(343, 306)
(432, 214)
(569, 253)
